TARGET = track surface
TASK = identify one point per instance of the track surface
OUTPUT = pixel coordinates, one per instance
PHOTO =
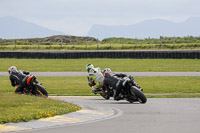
(128, 73)
(178, 115)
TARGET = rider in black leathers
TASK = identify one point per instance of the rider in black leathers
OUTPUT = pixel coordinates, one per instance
(115, 81)
(18, 77)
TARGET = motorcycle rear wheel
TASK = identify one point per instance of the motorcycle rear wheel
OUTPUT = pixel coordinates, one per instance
(105, 95)
(139, 94)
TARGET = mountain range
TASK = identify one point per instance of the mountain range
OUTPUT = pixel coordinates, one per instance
(15, 28)
(150, 28)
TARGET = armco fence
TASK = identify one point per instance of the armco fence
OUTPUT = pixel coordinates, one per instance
(181, 54)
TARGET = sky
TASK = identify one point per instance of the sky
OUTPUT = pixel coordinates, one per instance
(76, 17)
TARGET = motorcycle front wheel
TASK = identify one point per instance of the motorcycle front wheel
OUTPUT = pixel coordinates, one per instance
(139, 94)
(40, 91)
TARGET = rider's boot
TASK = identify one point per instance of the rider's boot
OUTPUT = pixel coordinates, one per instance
(96, 90)
(19, 90)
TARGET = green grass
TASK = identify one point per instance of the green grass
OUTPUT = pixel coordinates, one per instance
(100, 46)
(128, 65)
(77, 86)
(20, 108)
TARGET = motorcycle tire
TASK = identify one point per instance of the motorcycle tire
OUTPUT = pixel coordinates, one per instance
(40, 91)
(139, 94)
(105, 96)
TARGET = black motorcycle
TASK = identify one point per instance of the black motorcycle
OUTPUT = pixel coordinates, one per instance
(33, 87)
(130, 91)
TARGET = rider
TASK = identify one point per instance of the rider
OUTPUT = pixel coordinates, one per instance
(95, 78)
(18, 77)
(114, 81)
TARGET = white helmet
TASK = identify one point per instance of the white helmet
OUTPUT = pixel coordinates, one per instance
(106, 71)
(12, 68)
(89, 66)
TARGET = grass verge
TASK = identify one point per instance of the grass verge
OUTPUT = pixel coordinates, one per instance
(125, 65)
(21, 108)
(77, 86)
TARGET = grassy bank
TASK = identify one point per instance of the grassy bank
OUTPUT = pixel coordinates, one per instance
(100, 46)
(20, 108)
(77, 86)
(126, 65)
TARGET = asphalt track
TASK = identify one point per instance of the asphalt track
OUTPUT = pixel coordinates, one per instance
(128, 73)
(165, 115)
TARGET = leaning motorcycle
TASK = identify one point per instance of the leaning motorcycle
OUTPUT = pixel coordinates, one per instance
(33, 87)
(131, 91)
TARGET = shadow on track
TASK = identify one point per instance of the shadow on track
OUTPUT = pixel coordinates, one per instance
(113, 102)
(100, 99)
(118, 102)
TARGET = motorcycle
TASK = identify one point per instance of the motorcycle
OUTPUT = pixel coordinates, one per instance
(131, 91)
(33, 87)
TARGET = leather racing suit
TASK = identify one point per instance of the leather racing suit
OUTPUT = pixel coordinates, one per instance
(95, 78)
(19, 77)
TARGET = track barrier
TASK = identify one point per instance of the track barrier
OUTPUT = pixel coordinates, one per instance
(179, 54)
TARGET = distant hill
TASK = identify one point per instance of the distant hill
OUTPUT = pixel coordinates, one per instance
(68, 39)
(61, 38)
(150, 28)
(13, 28)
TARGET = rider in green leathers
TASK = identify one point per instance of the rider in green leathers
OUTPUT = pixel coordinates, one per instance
(95, 78)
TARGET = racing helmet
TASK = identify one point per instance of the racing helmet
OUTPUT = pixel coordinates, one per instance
(12, 68)
(106, 71)
(89, 66)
